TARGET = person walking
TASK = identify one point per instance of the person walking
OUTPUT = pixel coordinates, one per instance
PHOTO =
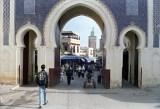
(42, 81)
(62, 73)
(69, 75)
(83, 71)
(79, 71)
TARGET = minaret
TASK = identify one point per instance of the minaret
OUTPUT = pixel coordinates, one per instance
(92, 32)
(92, 40)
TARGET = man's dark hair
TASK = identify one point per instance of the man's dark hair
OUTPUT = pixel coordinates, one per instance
(43, 67)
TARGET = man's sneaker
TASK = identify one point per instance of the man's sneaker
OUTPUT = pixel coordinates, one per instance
(45, 102)
(39, 107)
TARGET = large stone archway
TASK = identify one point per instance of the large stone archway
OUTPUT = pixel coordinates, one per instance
(109, 28)
(63, 6)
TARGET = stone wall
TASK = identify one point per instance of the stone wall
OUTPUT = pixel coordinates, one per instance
(11, 55)
(150, 67)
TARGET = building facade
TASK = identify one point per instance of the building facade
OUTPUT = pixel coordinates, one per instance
(30, 36)
(70, 43)
(86, 51)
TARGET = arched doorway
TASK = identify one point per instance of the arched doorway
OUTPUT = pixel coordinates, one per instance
(130, 60)
(80, 46)
(28, 40)
(30, 66)
(125, 65)
(132, 40)
(65, 11)
(67, 16)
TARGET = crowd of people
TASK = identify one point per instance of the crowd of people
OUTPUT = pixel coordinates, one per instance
(70, 70)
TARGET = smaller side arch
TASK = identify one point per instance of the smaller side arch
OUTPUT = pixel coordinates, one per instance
(22, 31)
(140, 34)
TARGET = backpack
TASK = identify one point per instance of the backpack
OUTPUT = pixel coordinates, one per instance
(42, 78)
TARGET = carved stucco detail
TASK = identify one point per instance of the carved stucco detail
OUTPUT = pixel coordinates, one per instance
(139, 32)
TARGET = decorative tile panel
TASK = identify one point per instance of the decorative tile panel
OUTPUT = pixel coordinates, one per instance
(156, 15)
(156, 22)
(29, 6)
(6, 21)
(132, 7)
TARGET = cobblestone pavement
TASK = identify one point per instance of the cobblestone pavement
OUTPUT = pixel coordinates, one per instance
(75, 97)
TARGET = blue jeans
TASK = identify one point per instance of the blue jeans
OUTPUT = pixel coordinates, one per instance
(42, 95)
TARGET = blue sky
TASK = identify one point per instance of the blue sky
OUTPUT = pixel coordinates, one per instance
(82, 26)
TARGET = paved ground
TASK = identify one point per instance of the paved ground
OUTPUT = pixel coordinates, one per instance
(75, 97)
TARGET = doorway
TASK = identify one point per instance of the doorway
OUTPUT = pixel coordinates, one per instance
(130, 60)
(73, 45)
(125, 65)
(72, 8)
(30, 56)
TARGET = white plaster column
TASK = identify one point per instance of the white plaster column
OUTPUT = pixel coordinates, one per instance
(1, 22)
(41, 57)
(19, 63)
(108, 53)
(49, 57)
(150, 23)
(115, 65)
(46, 56)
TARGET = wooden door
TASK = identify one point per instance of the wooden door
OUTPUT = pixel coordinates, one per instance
(25, 59)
